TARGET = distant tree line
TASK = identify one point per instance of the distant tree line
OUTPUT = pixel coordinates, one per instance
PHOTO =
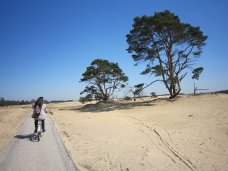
(222, 91)
(60, 101)
(4, 102)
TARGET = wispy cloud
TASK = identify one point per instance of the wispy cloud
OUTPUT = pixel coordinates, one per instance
(120, 24)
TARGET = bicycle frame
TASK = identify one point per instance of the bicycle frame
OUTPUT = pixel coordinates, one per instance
(39, 129)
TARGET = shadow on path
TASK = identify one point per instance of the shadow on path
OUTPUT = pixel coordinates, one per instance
(30, 137)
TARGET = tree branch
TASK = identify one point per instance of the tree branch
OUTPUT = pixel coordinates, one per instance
(151, 84)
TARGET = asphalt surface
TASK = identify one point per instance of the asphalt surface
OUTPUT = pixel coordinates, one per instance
(26, 153)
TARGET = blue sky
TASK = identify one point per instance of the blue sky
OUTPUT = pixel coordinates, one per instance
(45, 46)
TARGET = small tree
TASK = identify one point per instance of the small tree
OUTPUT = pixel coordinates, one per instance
(167, 45)
(127, 98)
(103, 78)
(153, 94)
(22, 102)
(84, 100)
(2, 101)
(137, 90)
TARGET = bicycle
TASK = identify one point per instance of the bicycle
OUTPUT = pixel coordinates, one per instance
(39, 130)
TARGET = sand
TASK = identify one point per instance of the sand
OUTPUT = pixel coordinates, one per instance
(11, 120)
(188, 133)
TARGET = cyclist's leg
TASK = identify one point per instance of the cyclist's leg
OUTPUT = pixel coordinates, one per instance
(43, 125)
(36, 123)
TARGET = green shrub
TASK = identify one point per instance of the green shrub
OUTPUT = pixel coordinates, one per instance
(127, 98)
(83, 100)
(153, 94)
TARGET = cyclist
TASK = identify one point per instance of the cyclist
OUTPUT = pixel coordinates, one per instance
(40, 107)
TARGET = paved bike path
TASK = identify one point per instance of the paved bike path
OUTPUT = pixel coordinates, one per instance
(26, 153)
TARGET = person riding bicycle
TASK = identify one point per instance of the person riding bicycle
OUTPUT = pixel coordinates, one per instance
(40, 107)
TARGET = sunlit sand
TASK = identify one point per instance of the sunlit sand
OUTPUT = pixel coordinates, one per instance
(187, 133)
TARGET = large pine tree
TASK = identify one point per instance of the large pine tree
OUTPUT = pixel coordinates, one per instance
(168, 46)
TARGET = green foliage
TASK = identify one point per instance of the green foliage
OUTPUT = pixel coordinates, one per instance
(103, 78)
(138, 89)
(127, 98)
(167, 45)
(84, 99)
(196, 73)
(22, 102)
(222, 91)
(153, 94)
(4, 102)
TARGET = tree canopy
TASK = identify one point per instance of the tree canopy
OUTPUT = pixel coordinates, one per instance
(103, 78)
(168, 46)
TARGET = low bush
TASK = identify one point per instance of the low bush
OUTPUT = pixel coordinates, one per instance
(127, 98)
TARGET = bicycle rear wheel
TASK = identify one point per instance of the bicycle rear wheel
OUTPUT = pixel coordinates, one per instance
(38, 137)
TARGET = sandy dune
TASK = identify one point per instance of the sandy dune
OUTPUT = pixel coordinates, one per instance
(189, 133)
(11, 120)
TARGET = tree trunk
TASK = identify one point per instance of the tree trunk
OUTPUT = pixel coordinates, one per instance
(172, 91)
